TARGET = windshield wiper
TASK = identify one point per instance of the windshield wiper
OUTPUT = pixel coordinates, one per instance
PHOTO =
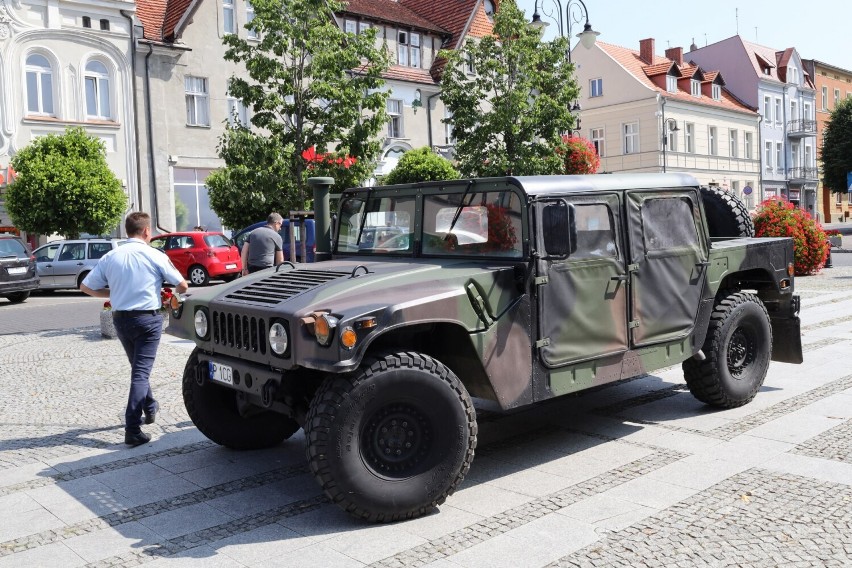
(461, 208)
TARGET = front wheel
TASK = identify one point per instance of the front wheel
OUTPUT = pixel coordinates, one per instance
(18, 297)
(198, 275)
(393, 439)
(214, 411)
(738, 349)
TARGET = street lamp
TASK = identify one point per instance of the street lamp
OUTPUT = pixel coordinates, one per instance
(669, 126)
(574, 11)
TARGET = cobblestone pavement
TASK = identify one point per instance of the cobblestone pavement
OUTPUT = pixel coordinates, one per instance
(633, 474)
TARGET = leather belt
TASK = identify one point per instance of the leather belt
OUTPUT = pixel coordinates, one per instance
(133, 313)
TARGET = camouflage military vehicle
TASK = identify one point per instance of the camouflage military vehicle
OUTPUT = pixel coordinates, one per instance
(510, 290)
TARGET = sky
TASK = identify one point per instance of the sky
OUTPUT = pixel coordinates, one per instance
(818, 29)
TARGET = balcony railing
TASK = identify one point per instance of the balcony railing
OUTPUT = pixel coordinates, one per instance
(805, 174)
(802, 127)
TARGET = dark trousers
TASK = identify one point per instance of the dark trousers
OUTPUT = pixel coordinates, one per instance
(140, 337)
(255, 268)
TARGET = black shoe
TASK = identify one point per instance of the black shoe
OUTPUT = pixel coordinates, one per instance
(150, 418)
(136, 439)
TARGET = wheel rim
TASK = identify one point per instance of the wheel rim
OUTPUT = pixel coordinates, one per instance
(197, 276)
(396, 440)
(742, 352)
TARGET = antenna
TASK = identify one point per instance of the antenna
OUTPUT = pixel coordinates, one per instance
(737, 18)
(705, 39)
(755, 35)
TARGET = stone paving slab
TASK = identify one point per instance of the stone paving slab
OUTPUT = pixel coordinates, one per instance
(635, 473)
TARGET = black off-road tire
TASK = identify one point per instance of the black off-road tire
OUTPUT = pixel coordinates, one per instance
(18, 297)
(393, 439)
(213, 410)
(727, 215)
(738, 349)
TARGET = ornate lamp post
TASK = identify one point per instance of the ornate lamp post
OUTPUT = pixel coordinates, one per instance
(574, 11)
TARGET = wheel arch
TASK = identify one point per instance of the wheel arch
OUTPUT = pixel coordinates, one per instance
(447, 342)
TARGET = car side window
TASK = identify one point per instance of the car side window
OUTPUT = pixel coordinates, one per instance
(158, 244)
(186, 242)
(73, 251)
(668, 225)
(46, 254)
(97, 250)
(595, 236)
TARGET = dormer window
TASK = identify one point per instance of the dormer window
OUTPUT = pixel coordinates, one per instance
(717, 92)
(793, 75)
(488, 6)
(695, 85)
(671, 83)
(408, 49)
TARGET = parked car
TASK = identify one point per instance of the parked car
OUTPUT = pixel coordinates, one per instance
(201, 255)
(241, 236)
(18, 275)
(62, 265)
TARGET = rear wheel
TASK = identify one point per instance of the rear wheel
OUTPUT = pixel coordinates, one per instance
(214, 411)
(392, 440)
(738, 349)
(198, 275)
(18, 297)
(81, 278)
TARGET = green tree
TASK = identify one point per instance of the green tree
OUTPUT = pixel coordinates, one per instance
(836, 151)
(421, 164)
(65, 186)
(509, 117)
(310, 85)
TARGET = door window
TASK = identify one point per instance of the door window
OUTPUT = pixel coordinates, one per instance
(668, 225)
(595, 237)
(46, 254)
(73, 251)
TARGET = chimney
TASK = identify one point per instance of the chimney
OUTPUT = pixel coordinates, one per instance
(646, 50)
(675, 54)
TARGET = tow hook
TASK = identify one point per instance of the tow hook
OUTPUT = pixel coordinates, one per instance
(267, 393)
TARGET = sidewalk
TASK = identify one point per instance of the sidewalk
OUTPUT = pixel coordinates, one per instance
(636, 473)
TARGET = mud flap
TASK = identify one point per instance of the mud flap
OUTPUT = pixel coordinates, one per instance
(787, 340)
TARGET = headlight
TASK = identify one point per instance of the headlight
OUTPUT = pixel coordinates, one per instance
(201, 326)
(278, 340)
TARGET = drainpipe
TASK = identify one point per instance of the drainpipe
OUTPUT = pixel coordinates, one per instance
(429, 116)
(760, 162)
(151, 163)
(665, 134)
(129, 18)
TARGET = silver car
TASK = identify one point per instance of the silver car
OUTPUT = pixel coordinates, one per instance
(63, 264)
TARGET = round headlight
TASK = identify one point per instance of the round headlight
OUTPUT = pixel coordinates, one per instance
(278, 338)
(324, 328)
(201, 327)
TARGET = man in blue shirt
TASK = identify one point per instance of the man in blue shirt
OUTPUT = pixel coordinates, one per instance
(132, 276)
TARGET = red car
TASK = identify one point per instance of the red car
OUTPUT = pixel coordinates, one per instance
(200, 256)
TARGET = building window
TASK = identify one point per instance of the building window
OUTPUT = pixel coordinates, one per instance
(689, 135)
(350, 26)
(596, 87)
(794, 154)
(190, 191)
(712, 140)
(229, 24)
(87, 22)
(778, 117)
(794, 110)
(105, 25)
(671, 83)
(237, 113)
(734, 144)
(838, 198)
(809, 156)
(671, 139)
(631, 138)
(806, 113)
(97, 91)
(470, 68)
(793, 75)
(408, 49)
(449, 136)
(836, 96)
(748, 146)
(695, 86)
(197, 101)
(767, 156)
(363, 26)
(39, 85)
(394, 118)
(825, 98)
(767, 109)
(717, 92)
(779, 156)
(251, 33)
(598, 140)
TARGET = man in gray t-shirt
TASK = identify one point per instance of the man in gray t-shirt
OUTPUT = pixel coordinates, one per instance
(264, 247)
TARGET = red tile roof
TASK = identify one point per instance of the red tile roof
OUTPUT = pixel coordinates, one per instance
(455, 16)
(152, 13)
(629, 59)
(409, 74)
(392, 12)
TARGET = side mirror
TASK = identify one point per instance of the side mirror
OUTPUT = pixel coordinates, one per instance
(560, 230)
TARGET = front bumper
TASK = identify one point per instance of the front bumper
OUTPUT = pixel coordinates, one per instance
(250, 378)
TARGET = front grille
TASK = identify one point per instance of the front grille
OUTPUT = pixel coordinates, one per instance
(244, 333)
(283, 285)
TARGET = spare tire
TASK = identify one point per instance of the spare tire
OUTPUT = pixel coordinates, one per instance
(727, 215)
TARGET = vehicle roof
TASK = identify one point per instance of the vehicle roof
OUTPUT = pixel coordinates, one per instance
(188, 233)
(560, 184)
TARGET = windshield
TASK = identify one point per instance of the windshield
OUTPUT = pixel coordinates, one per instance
(455, 224)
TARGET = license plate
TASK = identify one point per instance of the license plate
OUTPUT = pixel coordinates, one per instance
(221, 373)
(17, 270)
(230, 266)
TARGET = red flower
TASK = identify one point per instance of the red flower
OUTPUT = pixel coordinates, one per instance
(107, 305)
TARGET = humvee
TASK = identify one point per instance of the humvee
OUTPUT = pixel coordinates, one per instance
(509, 291)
